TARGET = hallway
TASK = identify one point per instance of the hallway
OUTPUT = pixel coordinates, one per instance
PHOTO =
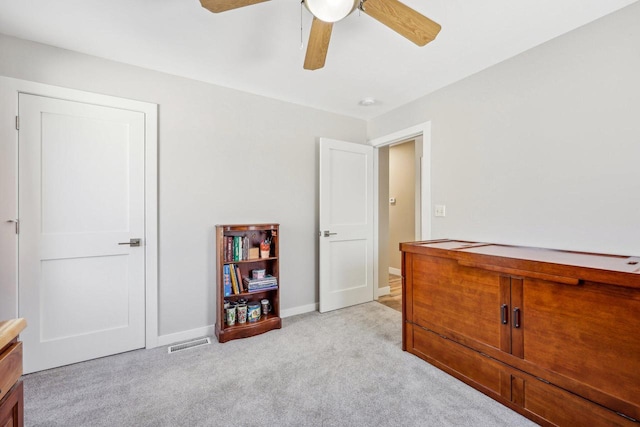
(394, 298)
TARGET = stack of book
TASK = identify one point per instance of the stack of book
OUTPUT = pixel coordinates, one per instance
(236, 248)
(254, 285)
(232, 280)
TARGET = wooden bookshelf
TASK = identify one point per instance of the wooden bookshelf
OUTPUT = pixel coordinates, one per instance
(251, 235)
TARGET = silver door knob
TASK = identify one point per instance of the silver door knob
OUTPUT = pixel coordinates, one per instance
(131, 242)
(327, 233)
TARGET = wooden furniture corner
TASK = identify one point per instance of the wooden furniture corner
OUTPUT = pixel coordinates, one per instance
(11, 389)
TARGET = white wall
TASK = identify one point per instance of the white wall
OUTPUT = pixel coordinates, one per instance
(224, 157)
(542, 149)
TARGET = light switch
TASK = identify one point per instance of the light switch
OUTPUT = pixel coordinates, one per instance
(441, 210)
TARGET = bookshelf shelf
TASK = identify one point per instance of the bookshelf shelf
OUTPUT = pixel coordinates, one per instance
(233, 245)
(251, 261)
(252, 295)
(247, 326)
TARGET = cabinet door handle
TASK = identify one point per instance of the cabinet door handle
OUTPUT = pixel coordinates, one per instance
(504, 314)
(516, 317)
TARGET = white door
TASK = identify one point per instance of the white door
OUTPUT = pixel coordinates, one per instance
(346, 224)
(81, 194)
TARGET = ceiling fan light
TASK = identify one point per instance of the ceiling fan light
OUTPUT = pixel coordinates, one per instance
(331, 10)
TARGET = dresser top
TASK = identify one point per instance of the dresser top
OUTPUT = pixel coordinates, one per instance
(9, 329)
(618, 269)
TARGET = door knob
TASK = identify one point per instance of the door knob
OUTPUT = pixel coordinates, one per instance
(131, 242)
(327, 233)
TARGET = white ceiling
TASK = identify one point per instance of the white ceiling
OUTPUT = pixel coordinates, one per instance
(257, 48)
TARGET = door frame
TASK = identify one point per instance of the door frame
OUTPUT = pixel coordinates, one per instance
(424, 130)
(9, 136)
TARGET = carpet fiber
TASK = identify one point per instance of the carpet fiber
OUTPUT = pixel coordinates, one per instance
(343, 368)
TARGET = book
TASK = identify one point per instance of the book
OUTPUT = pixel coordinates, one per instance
(226, 280)
(234, 279)
(262, 286)
(236, 248)
(245, 247)
(228, 256)
(268, 288)
(266, 279)
(239, 278)
(268, 282)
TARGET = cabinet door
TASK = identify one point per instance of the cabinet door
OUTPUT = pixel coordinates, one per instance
(12, 408)
(588, 333)
(460, 302)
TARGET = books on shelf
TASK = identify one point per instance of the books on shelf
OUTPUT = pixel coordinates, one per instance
(239, 279)
(234, 279)
(228, 248)
(235, 283)
(252, 285)
(226, 278)
(245, 248)
(237, 248)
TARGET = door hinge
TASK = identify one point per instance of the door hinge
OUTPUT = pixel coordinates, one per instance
(17, 122)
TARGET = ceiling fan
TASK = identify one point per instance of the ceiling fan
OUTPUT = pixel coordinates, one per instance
(395, 15)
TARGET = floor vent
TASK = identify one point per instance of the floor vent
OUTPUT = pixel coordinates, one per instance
(187, 345)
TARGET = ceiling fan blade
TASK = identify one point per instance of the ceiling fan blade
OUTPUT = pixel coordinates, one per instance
(217, 6)
(318, 44)
(403, 20)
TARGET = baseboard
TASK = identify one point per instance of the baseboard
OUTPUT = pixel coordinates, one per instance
(395, 271)
(298, 310)
(169, 339)
(385, 290)
(208, 331)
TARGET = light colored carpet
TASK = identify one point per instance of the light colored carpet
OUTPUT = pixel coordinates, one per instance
(343, 368)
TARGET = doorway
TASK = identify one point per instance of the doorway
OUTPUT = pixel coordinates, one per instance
(404, 199)
(404, 212)
(416, 139)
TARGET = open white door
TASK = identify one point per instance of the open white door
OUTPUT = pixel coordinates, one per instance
(81, 205)
(346, 224)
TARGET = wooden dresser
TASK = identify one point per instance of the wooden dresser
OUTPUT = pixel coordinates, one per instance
(11, 392)
(554, 335)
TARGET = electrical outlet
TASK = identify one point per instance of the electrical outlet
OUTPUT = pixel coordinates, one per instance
(441, 210)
